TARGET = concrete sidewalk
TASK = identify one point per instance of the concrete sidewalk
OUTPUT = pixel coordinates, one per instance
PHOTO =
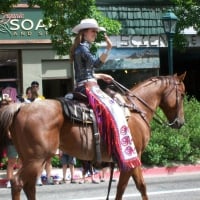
(147, 172)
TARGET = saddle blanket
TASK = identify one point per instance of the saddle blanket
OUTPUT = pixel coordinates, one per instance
(113, 128)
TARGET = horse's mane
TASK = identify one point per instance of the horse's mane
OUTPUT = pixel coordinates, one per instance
(151, 80)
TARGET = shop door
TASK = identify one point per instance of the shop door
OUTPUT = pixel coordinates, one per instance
(56, 78)
(53, 88)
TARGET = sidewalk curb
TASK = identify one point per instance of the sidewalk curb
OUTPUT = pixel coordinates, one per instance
(179, 169)
(147, 172)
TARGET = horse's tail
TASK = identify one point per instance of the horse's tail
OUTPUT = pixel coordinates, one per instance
(7, 114)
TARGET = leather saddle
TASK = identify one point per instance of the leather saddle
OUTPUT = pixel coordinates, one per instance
(76, 107)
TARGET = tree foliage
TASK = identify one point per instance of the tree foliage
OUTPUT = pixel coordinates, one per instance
(6, 6)
(61, 16)
(188, 13)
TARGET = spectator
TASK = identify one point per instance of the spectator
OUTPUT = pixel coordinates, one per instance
(35, 89)
(12, 154)
(67, 160)
(28, 97)
(48, 165)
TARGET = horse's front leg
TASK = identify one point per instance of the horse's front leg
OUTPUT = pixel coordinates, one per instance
(122, 183)
(139, 181)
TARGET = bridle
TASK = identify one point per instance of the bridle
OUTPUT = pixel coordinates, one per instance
(156, 116)
(176, 84)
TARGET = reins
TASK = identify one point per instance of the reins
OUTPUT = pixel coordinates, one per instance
(129, 94)
(110, 180)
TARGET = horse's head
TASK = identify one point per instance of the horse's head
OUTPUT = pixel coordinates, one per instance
(172, 101)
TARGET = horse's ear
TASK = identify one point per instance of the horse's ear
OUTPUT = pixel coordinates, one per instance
(182, 76)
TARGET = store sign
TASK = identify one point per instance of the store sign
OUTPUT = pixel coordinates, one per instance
(23, 24)
(142, 41)
(150, 41)
(131, 58)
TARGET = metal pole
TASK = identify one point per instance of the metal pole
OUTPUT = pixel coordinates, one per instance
(170, 54)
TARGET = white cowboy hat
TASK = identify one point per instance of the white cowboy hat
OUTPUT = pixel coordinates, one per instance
(87, 23)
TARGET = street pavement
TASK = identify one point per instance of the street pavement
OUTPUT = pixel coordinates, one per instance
(153, 171)
(184, 186)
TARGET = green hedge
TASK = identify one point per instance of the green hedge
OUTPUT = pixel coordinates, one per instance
(169, 146)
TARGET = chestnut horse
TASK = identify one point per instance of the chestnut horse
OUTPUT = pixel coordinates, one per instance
(40, 128)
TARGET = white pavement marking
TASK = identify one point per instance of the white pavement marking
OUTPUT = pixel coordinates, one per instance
(149, 193)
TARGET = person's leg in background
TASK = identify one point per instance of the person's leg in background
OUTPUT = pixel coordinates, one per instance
(49, 179)
(91, 170)
(12, 162)
(10, 170)
(64, 168)
(71, 167)
(84, 171)
(67, 160)
(105, 169)
(104, 174)
(48, 169)
(87, 166)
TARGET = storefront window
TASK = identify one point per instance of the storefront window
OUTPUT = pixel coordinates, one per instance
(9, 73)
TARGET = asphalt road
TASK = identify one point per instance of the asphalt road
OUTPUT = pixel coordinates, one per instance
(169, 187)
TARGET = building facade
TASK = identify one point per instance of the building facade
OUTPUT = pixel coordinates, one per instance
(26, 54)
(142, 29)
(139, 52)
